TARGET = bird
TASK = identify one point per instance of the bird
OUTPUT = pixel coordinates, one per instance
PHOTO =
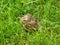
(29, 22)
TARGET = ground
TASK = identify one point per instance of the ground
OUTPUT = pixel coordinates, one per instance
(47, 12)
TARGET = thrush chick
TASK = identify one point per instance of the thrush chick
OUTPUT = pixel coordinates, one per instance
(29, 22)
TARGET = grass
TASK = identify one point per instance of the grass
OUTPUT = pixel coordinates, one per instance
(46, 12)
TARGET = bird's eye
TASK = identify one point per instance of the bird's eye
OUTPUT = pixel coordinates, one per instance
(24, 20)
